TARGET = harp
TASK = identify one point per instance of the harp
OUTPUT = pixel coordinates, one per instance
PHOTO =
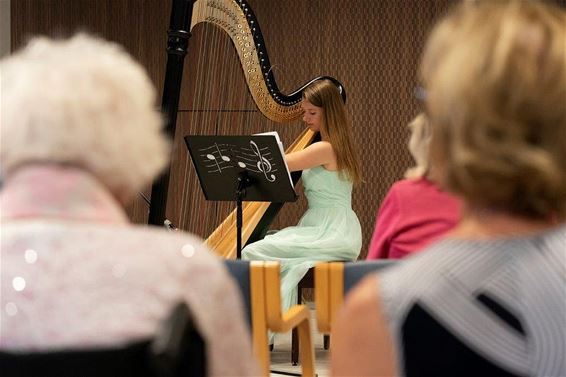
(237, 20)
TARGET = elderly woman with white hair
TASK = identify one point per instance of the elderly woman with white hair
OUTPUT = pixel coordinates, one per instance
(416, 211)
(80, 136)
(488, 300)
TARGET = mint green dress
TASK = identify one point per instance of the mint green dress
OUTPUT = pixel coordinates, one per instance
(329, 230)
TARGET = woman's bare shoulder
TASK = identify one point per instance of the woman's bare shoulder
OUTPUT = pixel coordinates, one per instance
(322, 146)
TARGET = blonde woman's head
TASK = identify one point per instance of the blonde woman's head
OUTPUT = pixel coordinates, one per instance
(419, 145)
(335, 125)
(83, 102)
(495, 77)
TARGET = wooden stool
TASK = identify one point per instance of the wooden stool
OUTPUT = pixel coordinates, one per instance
(306, 282)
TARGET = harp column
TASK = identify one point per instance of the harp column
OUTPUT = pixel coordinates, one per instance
(177, 44)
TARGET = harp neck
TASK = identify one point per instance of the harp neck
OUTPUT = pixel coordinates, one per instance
(238, 20)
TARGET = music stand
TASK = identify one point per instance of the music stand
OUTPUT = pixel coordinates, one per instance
(241, 168)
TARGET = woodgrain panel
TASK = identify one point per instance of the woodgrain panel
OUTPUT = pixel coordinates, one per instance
(139, 25)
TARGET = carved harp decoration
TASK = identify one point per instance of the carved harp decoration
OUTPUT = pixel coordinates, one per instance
(237, 19)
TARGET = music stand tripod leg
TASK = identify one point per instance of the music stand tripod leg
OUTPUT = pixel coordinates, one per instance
(244, 181)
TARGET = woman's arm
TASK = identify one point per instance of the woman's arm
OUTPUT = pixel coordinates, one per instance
(319, 153)
(361, 343)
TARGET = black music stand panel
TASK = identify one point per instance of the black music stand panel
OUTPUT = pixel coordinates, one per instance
(219, 161)
(241, 168)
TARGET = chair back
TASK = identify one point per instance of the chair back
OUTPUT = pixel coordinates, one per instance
(356, 271)
(250, 279)
(130, 360)
(260, 287)
(334, 280)
(178, 349)
(240, 271)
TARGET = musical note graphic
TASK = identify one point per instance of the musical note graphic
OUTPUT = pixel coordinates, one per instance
(212, 157)
(263, 164)
(229, 156)
(224, 158)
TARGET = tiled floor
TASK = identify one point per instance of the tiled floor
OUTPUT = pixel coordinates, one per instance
(281, 354)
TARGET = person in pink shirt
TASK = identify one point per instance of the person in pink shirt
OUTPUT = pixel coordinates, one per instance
(415, 211)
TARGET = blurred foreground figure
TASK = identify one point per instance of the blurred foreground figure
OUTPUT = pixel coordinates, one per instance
(80, 136)
(490, 299)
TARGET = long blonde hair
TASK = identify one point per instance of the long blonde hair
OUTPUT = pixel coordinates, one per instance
(495, 100)
(336, 126)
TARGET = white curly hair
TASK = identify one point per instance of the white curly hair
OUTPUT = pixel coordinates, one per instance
(85, 102)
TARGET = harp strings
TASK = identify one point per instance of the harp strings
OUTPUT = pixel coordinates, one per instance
(223, 102)
(197, 124)
(215, 108)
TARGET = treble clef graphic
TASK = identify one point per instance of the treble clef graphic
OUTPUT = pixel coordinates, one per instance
(263, 164)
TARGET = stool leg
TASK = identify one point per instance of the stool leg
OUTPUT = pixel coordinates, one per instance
(326, 342)
(294, 348)
(295, 336)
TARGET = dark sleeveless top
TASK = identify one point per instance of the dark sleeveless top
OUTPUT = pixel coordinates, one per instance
(480, 308)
